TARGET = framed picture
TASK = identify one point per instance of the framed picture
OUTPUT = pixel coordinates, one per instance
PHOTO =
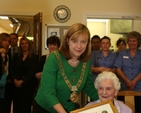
(58, 30)
(53, 31)
(102, 107)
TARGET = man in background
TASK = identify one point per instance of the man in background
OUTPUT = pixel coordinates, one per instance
(9, 84)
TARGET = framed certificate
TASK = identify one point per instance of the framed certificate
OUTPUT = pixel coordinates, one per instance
(102, 107)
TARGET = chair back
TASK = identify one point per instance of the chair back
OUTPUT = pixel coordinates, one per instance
(129, 98)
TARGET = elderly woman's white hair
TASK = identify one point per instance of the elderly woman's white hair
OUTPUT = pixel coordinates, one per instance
(110, 76)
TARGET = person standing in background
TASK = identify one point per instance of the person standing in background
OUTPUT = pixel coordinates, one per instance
(5, 42)
(66, 74)
(53, 43)
(104, 59)
(13, 45)
(9, 84)
(121, 45)
(128, 66)
(95, 42)
(2, 77)
(23, 73)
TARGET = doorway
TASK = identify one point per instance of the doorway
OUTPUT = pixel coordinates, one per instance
(122, 25)
(136, 26)
(26, 25)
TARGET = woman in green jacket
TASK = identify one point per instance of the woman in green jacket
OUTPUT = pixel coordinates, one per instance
(66, 73)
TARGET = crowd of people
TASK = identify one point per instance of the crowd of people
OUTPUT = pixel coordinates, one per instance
(77, 63)
(125, 63)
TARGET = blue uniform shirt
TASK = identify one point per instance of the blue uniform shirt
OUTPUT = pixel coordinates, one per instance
(131, 66)
(98, 59)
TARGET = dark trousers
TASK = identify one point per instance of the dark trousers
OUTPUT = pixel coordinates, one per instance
(38, 109)
(8, 97)
(137, 103)
(22, 100)
(1, 105)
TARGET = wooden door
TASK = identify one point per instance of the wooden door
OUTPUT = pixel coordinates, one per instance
(37, 33)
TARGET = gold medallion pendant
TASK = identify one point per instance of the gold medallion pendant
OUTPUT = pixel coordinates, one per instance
(74, 97)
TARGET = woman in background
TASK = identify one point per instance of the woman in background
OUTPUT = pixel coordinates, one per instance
(95, 42)
(104, 59)
(128, 66)
(24, 67)
(53, 43)
(2, 77)
(5, 42)
(121, 45)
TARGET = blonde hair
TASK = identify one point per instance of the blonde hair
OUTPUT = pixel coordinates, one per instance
(30, 49)
(73, 32)
(4, 36)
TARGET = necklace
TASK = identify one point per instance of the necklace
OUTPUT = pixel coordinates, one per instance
(73, 62)
(73, 96)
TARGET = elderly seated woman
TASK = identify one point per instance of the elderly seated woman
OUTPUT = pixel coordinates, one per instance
(108, 86)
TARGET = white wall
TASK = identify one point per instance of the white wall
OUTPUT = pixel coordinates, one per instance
(97, 28)
(103, 29)
(137, 25)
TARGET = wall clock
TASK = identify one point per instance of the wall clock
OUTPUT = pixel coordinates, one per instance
(62, 13)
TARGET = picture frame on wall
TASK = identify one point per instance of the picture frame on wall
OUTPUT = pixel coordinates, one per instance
(58, 30)
(102, 107)
(53, 31)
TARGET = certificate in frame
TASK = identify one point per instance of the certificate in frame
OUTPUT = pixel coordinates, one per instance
(102, 107)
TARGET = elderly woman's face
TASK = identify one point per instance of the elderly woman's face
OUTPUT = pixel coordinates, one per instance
(106, 90)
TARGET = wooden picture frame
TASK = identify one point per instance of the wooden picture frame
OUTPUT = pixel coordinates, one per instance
(102, 107)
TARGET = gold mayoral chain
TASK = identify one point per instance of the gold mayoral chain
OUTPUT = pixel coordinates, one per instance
(74, 95)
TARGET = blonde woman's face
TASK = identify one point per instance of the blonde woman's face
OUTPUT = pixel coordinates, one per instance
(106, 90)
(24, 45)
(5, 43)
(77, 46)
